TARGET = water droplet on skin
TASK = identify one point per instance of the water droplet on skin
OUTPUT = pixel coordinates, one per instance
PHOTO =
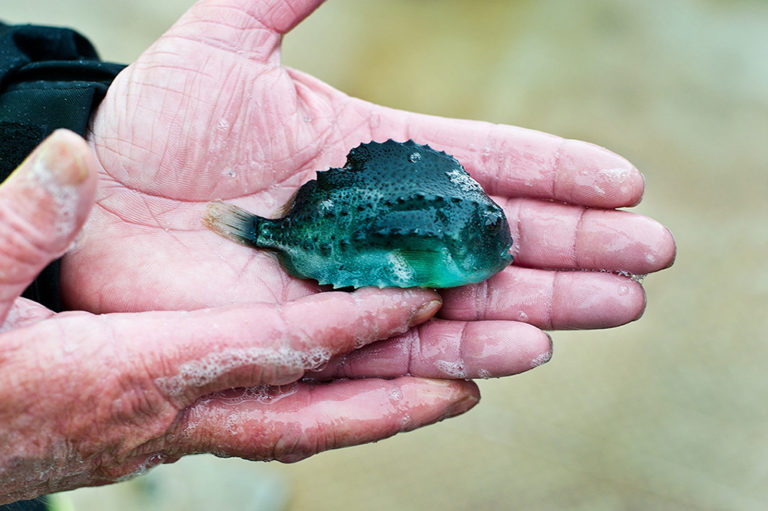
(414, 157)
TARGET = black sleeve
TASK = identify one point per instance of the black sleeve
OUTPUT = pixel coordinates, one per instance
(50, 78)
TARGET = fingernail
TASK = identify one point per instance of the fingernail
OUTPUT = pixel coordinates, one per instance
(58, 162)
(425, 312)
(545, 357)
(462, 406)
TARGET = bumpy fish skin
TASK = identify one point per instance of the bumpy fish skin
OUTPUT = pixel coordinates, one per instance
(396, 215)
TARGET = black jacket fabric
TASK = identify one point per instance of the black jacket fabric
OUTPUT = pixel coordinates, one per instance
(50, 78)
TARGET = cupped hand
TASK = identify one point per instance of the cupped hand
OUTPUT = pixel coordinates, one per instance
(90, 399)
(208, 112)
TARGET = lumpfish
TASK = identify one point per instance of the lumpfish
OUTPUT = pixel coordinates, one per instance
(396, 215)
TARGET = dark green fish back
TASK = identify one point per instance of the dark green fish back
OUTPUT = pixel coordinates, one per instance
(397, 214)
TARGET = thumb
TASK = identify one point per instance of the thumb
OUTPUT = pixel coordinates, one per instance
(43, 205)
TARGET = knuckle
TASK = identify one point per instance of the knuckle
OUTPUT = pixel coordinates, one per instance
(294, 446)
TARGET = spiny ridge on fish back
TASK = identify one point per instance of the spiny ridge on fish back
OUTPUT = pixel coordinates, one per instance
(396, 215)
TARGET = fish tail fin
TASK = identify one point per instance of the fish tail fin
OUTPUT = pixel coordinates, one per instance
(233, 222)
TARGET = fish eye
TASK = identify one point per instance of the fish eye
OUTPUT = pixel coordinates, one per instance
(492, 221)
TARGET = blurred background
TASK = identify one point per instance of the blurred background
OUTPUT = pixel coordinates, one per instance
(666, 413)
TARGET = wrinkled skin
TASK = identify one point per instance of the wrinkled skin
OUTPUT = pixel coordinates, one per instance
(210, 100)
(209, 113)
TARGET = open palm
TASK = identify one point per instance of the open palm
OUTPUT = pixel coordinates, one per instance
(222, 362)
(209, 112)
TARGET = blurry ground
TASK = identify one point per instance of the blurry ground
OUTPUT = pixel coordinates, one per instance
(667, 413)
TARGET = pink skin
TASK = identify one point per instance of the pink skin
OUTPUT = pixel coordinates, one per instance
(447, 349)
(209, 113)
(87, 399)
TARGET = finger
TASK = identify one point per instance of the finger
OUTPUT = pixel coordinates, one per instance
(517, 162)
(293, 423)
(243, 27)
(447, 350)
(559, 236)
(547, 299)
(193, 354)
(23, 313)
(43, 204)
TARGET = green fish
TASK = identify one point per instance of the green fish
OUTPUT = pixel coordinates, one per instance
(396, 215)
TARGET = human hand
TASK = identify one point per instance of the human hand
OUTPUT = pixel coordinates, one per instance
(208, 112)
(87, 400)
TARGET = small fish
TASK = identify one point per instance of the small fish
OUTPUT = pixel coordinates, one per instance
(396, 215)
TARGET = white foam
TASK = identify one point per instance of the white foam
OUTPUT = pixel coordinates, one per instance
(463, 181)
(65, 197)
(267, 394)
(452, 369)
(541, 359)
(234, 425)
(400, 267)
(615, 175)
(290, 364)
